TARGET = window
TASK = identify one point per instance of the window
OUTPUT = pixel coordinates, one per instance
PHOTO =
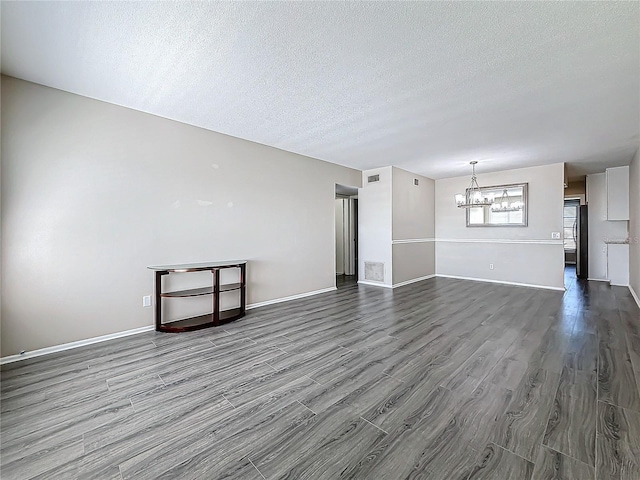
(508, 209)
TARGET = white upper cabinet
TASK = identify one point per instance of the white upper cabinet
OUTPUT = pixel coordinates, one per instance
(618, 193)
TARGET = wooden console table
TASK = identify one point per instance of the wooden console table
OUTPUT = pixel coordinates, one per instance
(216, 317)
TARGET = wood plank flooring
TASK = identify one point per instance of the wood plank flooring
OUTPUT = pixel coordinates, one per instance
(442, 379)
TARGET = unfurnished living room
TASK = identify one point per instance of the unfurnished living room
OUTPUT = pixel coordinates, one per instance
(320, 240)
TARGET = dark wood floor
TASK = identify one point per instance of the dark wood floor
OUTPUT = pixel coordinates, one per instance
(343, 281)
(443, 379)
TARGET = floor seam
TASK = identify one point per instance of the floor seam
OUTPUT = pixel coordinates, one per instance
(306, 407)
(228, 400)
(514, 453)
(567, 455)
(555, 395)
(254, 466)
(274, 368)
(374, 425)
(608, 402)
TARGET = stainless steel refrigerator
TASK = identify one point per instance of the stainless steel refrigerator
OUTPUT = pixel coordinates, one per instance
(581, 237)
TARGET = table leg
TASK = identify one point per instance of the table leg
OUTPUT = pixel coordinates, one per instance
(243, 286)
(216, 296)
(158, 299)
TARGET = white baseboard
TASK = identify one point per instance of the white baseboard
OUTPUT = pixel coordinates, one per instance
(374, 284)
(530, 285)
(634, 295)
(69, 346)
(292, 297)
(126, 333)
(408, 282)
(597, 279)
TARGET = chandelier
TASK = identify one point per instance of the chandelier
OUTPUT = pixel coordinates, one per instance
(504, 204)
(473, 196)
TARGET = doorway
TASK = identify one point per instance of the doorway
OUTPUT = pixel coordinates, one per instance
(346, 236)
(570, 224)
(575, 218)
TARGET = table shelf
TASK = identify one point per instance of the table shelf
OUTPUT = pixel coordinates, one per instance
(196, 292)
(217, 316)
(201, 321)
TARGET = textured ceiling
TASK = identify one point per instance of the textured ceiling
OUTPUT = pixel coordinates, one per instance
(425, 86)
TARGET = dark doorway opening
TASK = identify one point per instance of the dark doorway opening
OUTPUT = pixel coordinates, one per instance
(346, 229)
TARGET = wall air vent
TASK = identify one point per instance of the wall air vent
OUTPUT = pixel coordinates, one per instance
(373, 178)
(415, 182)
(374, 271)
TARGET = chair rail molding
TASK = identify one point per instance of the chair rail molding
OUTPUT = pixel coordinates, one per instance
(413, 240)
(501, 240)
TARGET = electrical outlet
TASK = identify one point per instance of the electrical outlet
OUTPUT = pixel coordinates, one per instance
(146, 301)
(491, 266)
(555, 235)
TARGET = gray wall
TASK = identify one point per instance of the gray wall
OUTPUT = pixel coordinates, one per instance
(92, 193)
(413, 226)
(634, 224)
(524, 255)
(396, 225)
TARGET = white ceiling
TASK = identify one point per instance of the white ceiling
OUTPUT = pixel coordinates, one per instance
(425, 86)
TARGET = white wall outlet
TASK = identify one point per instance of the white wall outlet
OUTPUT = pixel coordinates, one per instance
(146, 301)
(491, 266)
(555, 235)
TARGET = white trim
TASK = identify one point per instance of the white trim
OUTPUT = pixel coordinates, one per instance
(373, 284)
(597, 279)
(531, 285)
(292, 297)
(69, 346)
(419, 279)
(634, 295)
(126, 333)
(501, 240)
(413, 240)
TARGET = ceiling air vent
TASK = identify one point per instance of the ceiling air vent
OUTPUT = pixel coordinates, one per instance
(373, 178)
